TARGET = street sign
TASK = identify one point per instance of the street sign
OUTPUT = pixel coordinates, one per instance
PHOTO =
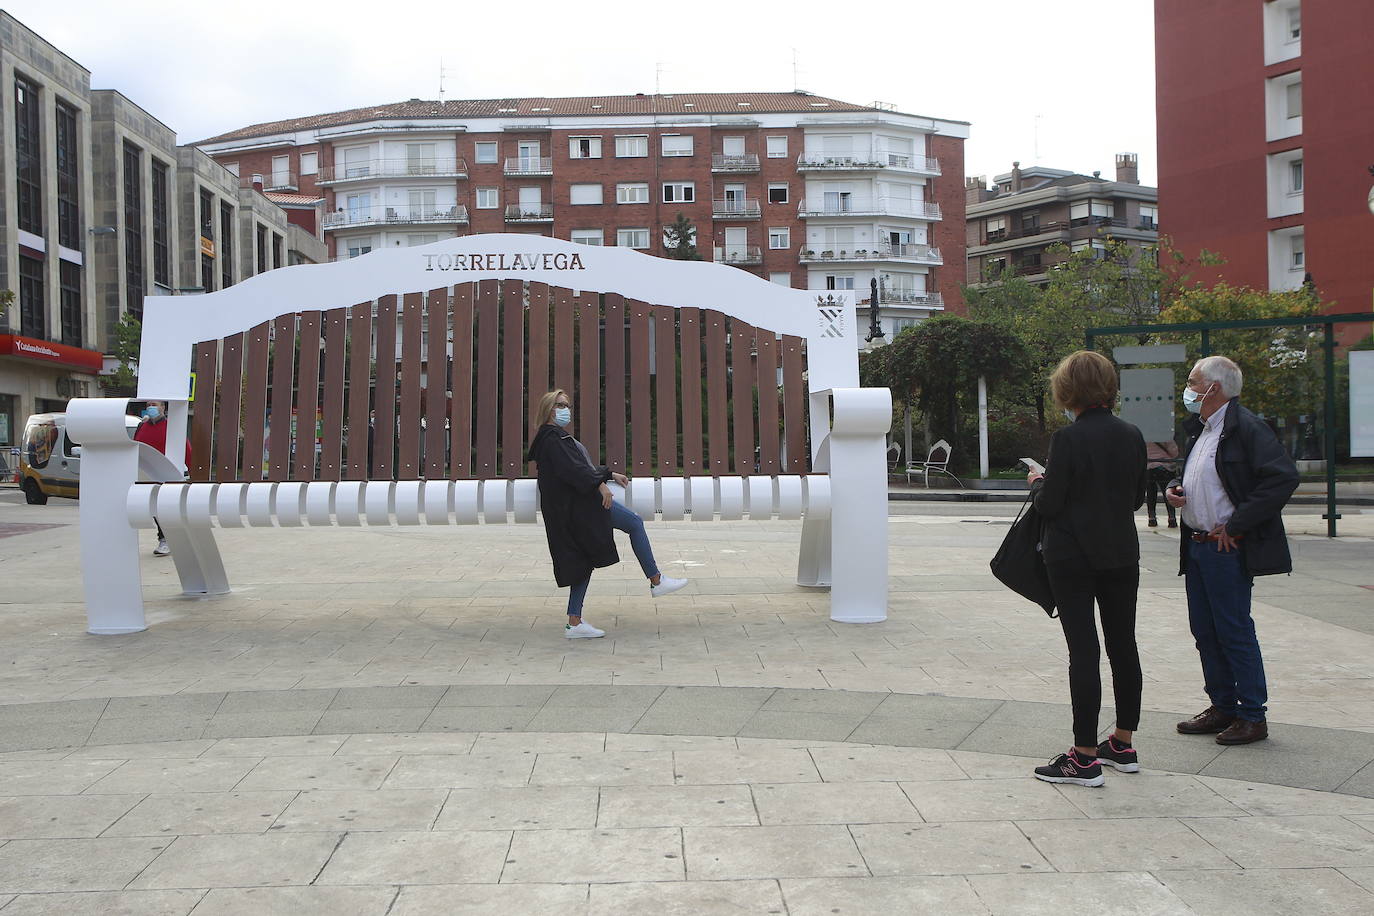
(1361, 403)
(192, 396)
(1147, 400)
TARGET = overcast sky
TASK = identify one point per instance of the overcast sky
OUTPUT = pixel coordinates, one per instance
(1062, 83)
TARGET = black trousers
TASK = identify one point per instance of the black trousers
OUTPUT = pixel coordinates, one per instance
(1114, 590)
(1156, 482)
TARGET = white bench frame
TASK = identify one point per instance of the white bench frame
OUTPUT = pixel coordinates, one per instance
(843, 504)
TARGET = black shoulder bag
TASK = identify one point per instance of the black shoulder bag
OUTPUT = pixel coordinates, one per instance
(1018, 563)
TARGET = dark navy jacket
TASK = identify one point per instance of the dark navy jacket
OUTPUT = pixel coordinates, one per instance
(577, 527)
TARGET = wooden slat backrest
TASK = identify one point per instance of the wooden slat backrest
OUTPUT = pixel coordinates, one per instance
(436, 386)
(254, 401)
(658, 390)
(332, 394)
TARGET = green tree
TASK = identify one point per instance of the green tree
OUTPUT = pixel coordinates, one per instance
(681, 239)
(128, 335)
(6, 300)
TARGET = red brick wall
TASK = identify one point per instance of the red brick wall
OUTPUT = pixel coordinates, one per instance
(948, 233)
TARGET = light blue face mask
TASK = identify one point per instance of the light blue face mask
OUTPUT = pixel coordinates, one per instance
(1192, 401)
(152, 412)
(562, 415)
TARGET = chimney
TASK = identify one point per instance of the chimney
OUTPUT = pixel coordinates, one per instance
(257, 183)
(1015, 177)
(1128, 168)
(976, 189)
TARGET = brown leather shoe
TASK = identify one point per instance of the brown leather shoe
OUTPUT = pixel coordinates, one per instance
(1208, 722)
(1243, 731)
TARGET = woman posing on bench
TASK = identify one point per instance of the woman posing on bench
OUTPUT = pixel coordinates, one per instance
(579, 513)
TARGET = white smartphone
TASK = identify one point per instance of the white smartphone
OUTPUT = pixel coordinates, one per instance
(1032, 464)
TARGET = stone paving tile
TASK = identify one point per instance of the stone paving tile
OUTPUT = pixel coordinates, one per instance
(190, 813)
(1294, 842)
(278, 746)
(888, 764)
(387, 744)
(484, 899)
(1362, 875)
(526, 808)
(911, 732)
(52, 777)
(731, 853)
(688, 720)
(947, 849)
(150, 730)
(1148, 795)
(142, 750)
(298, 901)
(1123, 893)
(718, 767)
(623, 768)
(1269, 892)
(946, 801)
(600, 855)
(29, 817)
(387, 697)
(239, 860)
(104, 903)
(479, 718)
(832, 803)
(880, 896)
(1123, 844)
(676, 806)
(637, 742)
(585, 719)
(48, 866)
(182, 704)
(334, 772)
(357, 720)
(686, 898)
(362, 809)
(261, 724)
(200, 774)
(475, 770)
(539, 742)
(1261, 798)
(464, 695)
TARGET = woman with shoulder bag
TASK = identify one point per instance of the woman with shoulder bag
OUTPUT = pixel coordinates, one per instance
(1088, 496)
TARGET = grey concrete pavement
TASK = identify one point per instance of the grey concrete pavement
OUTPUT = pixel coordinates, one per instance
(390, 721)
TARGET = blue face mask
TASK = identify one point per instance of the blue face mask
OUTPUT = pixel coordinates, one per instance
(1192, 401)
(152, 412)
(562, 415)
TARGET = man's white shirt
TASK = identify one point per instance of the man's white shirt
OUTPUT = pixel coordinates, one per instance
(1207, 505)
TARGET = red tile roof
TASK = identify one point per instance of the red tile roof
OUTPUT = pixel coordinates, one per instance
(280, 197)
(715, 103)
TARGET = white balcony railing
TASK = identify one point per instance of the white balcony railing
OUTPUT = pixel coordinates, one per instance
(270, 181)
(913, 297)
(744, 162)
(862, 162)
(841, 206)
(738, 254)
(736, 208)
(918, 254)
(371, 216)
(393, 168)
(529, 213)
(529, 165)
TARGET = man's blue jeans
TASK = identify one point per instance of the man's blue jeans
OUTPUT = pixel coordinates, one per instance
(627, 521)
(1219, 614)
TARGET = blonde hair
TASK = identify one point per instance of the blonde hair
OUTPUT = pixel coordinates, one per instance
(545, 408)
(1084, 378)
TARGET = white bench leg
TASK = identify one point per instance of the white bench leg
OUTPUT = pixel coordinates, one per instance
(813, 562)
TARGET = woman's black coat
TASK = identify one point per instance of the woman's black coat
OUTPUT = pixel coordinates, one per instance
(577, 527)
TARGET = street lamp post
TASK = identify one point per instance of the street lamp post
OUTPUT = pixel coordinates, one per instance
(875, 327)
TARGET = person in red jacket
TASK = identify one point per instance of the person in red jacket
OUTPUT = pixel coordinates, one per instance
(152, 431)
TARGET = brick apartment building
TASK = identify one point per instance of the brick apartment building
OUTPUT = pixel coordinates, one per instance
(1014, 222)
(1266, 137)
(799, 189)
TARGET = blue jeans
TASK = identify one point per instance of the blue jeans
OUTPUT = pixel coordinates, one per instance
(1219, 614)
(625, 520)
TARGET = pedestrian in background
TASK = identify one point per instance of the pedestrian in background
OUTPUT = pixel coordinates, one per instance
(1088, 495)
(152, 431)
(1162, 468)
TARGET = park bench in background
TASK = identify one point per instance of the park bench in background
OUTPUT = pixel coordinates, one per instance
(720, 394)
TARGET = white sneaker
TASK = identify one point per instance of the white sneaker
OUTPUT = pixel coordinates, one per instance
(161, 550)
(666, 586)
(583, 630)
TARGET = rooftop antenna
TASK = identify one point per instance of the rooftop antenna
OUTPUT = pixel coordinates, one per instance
(658, 77)
(443, 71)
(1037, 136)
(796, 82)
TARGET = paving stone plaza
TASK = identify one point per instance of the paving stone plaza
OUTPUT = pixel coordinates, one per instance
(389, 721)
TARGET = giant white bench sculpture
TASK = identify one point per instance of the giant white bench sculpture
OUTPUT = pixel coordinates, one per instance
(417, 369)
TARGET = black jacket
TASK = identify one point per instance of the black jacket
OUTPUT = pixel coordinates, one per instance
(1093, 484)
(1258, 477)
(577, 527)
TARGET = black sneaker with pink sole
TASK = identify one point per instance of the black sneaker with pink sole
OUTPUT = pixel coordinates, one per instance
(1073, 769)
(1118, 756)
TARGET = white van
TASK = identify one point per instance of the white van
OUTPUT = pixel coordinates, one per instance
(49, 461)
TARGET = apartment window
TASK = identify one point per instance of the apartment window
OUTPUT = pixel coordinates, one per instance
(414, 241)
(310, 163)
(28, 149)
(1149, 216)
(1030, 222)
(69, 280)
(632, 147)
(584, 147)
(1295, 176)
(1296, 253)
(732, 146)
(484, 152)
(1293, 100)
(776, 147)
(207, 215)
(276, 251)
(207, 272)
(1295, 23)
(232, 168)
(777, 193)
(839, 281)
(632, 238)
(33, 313)
(995, 228)
(260, 249)
(226, 247)
(488, 198)
(281, 171)
(679, 192)
(162, 256)
(588, 237)
(993, 267)
(632, 193)
(359, 247)
(669, 243)
(423, 203)
(1102, 209)
(1099, 248)
(133, 230)
(782, 278)
(779, 237)
(677, 144)
(582, 194)
(68, 208)
(420, 158)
